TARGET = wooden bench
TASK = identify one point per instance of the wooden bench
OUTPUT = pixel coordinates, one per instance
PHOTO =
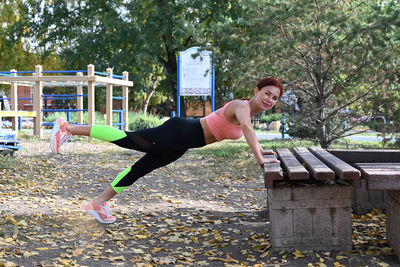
(304, 164)
(310, 195)
(20, 113)
(8, 143)
(15, 115)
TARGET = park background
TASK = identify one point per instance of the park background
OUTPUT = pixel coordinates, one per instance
(338, 58)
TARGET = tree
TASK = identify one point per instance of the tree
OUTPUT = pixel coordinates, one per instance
(125, 34)
(331, 54)
(17, 52)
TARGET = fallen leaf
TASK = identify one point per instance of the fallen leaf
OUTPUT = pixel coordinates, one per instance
(9, 264)
(387, 250)
(229, 259)
(117, 258)
(338, 264)
(297, 254)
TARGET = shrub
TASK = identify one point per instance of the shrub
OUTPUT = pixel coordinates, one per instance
(270, 118)
(98, 117)
(137, 121)
(140, 121)
(297, 128)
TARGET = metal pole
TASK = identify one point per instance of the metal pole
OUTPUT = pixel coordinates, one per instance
(178, 95)
(212, 89)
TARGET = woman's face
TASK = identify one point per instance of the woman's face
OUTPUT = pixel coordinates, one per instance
(267, 96)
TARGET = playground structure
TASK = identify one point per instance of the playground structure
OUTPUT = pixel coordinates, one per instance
(90, 80)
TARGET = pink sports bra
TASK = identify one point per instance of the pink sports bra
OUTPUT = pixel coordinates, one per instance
(220, 127)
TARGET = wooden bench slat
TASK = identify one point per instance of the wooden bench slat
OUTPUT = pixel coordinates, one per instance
(370, 155)
(380, 165)
(342, 169)
(272, 171)
(315, 166)
(380, 176)
(291, 165)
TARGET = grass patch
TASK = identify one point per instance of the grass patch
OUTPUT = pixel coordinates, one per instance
(7, 162)
(240, 149)
(346, 144)
(224, 149)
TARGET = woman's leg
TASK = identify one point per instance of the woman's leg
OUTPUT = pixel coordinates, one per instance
(105, 196)
(143, 166)
(79, 129)
(174, 134)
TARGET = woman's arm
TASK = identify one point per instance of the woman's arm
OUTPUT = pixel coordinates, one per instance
(242, 113)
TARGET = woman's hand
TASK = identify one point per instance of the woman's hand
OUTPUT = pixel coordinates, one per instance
(268, 152)
(266, 160)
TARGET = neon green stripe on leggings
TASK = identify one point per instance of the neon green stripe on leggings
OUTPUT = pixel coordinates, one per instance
(119, 189)
(106, 133)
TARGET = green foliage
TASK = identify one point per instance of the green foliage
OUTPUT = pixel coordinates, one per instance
(98, 117)
(387, 103)
(270, 118)
(141, 37)
(297, 128)
(15, 51)
(331, 55)
(7, 162)
(232, 149)
(139, 121)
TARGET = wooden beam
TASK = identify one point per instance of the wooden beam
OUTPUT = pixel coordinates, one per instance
(109, 99)
(272, 172)
(38, 103)
(79, 101)
(381, 176)
(94, 78)
(14, 102)
(115, 82)
(91, 96)
(15, 114)
(342, 169)
(48, 78)
(292, 167)
(316, 167)
(125, 102)
(370, 155)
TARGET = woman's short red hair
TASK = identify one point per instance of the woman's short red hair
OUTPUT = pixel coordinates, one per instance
(270, 81)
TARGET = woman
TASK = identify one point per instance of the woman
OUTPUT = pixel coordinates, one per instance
(168, 142)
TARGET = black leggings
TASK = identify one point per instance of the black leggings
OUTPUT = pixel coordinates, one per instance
(163, 144)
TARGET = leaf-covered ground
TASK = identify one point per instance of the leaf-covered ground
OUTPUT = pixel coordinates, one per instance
(199, 211)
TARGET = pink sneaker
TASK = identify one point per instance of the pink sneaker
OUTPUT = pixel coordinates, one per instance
(59, 135)
(100, 213)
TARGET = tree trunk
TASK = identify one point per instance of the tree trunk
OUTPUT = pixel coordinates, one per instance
(170, 66)
(150, 92)
(320, 123)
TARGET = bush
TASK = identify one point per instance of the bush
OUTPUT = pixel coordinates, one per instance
(98, 117)
(297, 128)
(137, 121)
(270, 118)
(140, 121)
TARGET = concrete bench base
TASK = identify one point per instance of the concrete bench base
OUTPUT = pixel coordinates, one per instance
(393, 221)
(310, 217)
(363, 200)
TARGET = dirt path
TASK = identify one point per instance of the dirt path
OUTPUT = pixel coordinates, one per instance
(194, 212)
